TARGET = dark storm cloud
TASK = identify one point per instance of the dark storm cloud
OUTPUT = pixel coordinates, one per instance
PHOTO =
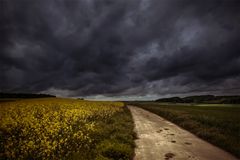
(120, 48)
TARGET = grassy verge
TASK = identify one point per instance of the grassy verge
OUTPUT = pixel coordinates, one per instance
(116, 141)
(218, 124)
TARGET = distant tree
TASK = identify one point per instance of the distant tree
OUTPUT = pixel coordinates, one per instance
(172, 100)
(198, 99)
(24, 95)
(203, 99)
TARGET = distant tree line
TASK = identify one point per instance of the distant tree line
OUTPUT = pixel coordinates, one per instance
(203, 99)
(24, 95)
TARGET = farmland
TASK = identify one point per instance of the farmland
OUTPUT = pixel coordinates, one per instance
(216, 123)
(54, 128)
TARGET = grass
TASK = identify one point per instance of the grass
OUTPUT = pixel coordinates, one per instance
(116, 141)
(217, 124)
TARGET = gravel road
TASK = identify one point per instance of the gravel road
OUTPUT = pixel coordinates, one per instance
(159, 139)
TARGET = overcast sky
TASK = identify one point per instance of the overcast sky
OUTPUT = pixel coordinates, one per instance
(127, 49)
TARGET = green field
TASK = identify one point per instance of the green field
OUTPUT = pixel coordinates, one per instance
(216, 123)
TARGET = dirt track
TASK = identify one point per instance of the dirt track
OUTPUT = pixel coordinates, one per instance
(159, 139)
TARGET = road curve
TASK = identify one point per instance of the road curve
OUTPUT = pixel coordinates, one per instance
(159, 139)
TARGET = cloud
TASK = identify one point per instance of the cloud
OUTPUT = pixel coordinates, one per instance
(119, 48)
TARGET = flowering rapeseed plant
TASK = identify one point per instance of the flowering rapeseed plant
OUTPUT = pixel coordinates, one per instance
(50, 128)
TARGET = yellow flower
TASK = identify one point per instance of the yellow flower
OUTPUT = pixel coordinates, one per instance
(51, 127)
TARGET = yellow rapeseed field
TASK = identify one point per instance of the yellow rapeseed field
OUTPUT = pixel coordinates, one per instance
(50, 128)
